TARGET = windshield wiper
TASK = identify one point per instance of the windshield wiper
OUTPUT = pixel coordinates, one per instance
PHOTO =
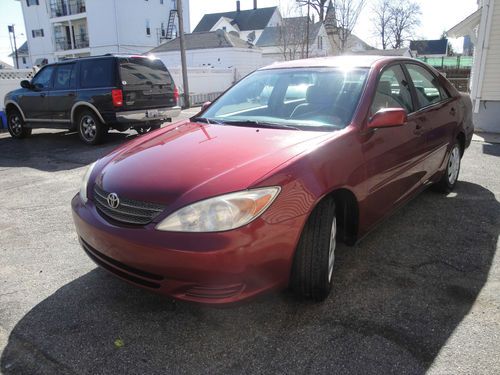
(260, 124)
(205, 120)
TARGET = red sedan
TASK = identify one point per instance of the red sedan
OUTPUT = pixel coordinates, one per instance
(254, 192)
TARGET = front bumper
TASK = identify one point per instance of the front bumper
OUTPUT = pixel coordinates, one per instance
(144, 115)
(214, 268)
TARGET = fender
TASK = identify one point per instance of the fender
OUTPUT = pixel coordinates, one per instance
(92, 107)
(17, 106)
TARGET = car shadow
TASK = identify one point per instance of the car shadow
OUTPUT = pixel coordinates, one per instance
(55, 150)
(397, 297)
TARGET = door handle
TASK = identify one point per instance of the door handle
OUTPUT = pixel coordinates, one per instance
(418, 129)
(71, 94)
(452, 111)
(43, 95)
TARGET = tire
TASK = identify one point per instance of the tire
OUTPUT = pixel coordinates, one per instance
(16, 125)
(90, 129)
(449, 179)
(312, 268)
(147, 128)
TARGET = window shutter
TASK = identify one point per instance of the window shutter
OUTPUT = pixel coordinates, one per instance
(33, 33)
(41, 31)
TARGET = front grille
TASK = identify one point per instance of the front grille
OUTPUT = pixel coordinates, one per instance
(128, 211)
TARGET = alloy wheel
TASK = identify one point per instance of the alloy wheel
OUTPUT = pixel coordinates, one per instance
(454, 165)
(16, 125)
(88, 127)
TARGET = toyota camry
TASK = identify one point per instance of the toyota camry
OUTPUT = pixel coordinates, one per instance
(254, 192)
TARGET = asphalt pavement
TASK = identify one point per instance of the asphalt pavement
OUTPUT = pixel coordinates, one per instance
(420, 294)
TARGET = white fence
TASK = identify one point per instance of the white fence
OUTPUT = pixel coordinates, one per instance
(10, 80)
(205, 84)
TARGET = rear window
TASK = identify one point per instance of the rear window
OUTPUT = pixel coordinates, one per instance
(141, 70)
(97, 73)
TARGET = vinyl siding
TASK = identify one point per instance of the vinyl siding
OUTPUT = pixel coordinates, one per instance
(491, 84)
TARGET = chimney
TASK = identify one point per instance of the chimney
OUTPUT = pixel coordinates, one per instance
(238, 6)
(254, 4)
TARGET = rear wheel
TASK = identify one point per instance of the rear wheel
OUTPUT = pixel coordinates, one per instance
(16, 125)
(90, 129)
(147, 128)
(315, 255)
(450, 177)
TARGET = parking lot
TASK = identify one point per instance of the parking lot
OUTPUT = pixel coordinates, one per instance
(419, 294)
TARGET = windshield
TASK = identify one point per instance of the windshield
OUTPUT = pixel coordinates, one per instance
(305, 99)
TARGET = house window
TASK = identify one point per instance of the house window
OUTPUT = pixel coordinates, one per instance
(37, 33)
(24, 60)
(163, 33)
(32, 2)
(320, 42)
(148, 28)
(161, 2)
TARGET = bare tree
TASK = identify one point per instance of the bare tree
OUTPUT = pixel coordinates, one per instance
(292, 33)
(382, 20)
(319, 6)
(405, 18)
(346, 16)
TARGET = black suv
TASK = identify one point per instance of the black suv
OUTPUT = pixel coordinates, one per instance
(93, 94)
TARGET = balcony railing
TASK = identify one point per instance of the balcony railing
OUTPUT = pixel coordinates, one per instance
(60, 8)
(80, 41)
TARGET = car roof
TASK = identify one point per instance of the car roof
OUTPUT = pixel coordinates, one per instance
(359, 61)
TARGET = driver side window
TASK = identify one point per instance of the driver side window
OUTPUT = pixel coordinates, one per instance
(392, 91)
(42, 79)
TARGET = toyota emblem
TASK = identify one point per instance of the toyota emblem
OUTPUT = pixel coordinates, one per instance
(113, 200)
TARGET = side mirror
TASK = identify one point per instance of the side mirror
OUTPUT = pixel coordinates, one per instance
(25, 84)
(388, 118)
(205, 106)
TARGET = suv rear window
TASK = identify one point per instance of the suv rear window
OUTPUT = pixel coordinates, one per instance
(97, 73)
(141, 70)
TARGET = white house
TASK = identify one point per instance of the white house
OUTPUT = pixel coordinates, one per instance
(212, 49)
(23, 57)
(249, 24)
(483, 27)
(288, 41)
(58, 29)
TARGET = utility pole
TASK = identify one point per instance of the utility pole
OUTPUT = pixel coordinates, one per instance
(11, 30)
(183, 55)
(307, 31)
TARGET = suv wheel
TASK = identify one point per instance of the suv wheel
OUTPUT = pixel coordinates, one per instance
(16, 125)
(146, 129)
(90, 129)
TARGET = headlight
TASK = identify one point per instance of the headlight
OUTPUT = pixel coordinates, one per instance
(85, 181)
(221, 213)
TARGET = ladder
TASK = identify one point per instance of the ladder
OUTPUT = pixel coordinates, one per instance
(171, 24)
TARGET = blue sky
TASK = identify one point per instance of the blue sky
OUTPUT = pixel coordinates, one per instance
(437, 15)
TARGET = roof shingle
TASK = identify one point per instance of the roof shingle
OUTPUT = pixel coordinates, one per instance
(252, 19)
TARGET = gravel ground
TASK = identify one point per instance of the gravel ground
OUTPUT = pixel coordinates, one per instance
(420, 294)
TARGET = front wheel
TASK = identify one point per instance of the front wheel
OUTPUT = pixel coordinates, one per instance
(450, 177)
(312, 269)
(16, 125)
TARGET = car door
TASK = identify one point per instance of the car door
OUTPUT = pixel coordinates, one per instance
(34, 102)
(392, 155)
(63, 93)
(436, 116)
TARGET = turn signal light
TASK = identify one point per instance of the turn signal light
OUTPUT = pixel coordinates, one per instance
(176, 94)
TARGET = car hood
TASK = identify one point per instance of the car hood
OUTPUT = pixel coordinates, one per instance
(195, 161)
